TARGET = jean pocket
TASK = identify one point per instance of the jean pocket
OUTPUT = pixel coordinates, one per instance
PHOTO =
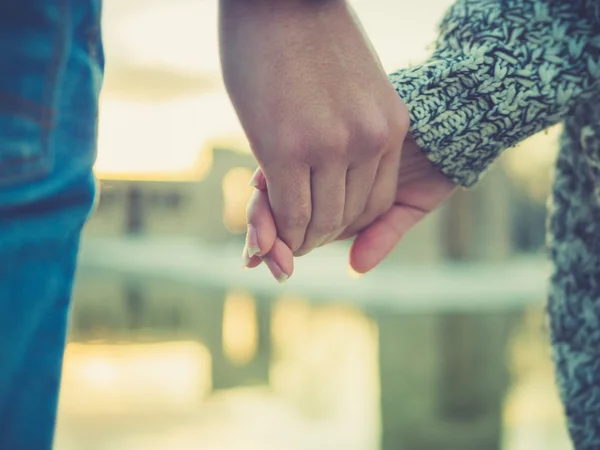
(33, 41)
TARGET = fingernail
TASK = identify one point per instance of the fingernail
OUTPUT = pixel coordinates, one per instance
(245, 257)
(252, 241)
(254, 180)
(276, 270)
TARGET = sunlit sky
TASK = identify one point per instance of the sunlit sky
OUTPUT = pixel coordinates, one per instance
(147, 133)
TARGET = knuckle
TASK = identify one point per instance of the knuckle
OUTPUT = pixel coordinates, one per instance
(376, 133)
(337, 137)
(292, 144)
(401, 116)
(332, 144)
(296, 148)
(372, 137)
(295, 220)
(327, 227)
(325, 141)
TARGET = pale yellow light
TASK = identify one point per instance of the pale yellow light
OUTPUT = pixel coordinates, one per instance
(532, 162)
(236, 194)
(240, 328)
(115, 378)
(165, 139)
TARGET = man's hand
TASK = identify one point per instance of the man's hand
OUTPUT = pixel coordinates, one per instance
(421, 189)
(323, 121)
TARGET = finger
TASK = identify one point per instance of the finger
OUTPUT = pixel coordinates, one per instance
(261, 224)
(382, 194)
(250, 262)
(261, 232)
(359, 184)
(375, 242)
(290, 198)
(258, 180)
(280, 258)
(280, 254)
(280, 261)
(328, 187)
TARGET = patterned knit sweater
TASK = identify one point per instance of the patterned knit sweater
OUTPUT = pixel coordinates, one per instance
(502, 71)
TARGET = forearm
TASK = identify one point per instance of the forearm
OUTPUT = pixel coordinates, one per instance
(241, 8)
(266, 23)
(502, 71)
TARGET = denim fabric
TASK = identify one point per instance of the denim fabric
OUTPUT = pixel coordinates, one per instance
(51, 64)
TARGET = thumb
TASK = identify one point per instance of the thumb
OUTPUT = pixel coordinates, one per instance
(375, 242)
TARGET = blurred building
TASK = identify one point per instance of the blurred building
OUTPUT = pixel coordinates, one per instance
(211, 207)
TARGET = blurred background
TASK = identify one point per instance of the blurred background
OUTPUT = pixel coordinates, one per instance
(173, 346)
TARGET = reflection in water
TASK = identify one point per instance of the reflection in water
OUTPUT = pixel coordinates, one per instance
(443, 380)
(159, 365)
(240, 328)
(134, 378)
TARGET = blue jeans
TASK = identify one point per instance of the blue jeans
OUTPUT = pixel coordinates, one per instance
(51, 64)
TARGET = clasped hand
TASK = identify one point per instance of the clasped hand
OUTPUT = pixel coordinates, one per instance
(322, 119)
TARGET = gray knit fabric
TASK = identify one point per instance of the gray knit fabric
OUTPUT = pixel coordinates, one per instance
(574, 304)
(503, 70)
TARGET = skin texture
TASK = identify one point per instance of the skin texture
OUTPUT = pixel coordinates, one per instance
(420, 189)
(322, 118)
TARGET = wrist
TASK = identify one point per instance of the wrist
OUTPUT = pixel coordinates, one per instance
(244, 7)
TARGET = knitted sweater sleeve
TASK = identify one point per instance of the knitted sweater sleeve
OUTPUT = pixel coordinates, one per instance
(502, 70)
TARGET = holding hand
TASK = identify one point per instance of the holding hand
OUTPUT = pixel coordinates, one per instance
(323, 121)
(421, 188)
